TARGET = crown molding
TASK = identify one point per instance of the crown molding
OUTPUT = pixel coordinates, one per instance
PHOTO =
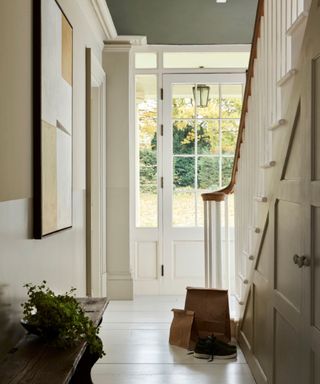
(103, 14)
(117, 47)
(121, 43)
(132, 40)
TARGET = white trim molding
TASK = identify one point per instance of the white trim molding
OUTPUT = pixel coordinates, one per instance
(111, 47)
(299, 22)
(287, 77)
(120, 286)
(132, 40)
(97, 73)
(103, 14)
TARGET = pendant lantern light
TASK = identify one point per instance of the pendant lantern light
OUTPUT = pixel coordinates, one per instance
(201, 95)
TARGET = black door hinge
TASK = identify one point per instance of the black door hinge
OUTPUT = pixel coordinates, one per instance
(161, 94)
(161, 129)
(162, 270)
(161, 182)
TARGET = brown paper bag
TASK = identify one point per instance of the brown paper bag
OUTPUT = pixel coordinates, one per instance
(181, 327)
(211, 313)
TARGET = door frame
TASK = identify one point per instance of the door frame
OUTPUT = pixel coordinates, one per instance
(155, 283)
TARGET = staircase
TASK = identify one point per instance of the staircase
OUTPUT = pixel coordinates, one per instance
(231, 260)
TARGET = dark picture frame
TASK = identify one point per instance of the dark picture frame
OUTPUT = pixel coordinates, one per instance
(52, 119)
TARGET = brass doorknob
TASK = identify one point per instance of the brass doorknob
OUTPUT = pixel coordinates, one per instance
(301, 261)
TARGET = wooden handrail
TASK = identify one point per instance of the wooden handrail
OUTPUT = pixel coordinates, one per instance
(216, 195)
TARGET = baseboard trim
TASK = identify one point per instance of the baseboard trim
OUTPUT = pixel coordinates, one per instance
(119, 286)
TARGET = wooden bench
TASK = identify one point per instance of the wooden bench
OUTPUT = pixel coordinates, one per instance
(32, 361)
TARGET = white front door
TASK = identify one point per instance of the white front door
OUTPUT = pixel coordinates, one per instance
(198, 146)
(195, 148)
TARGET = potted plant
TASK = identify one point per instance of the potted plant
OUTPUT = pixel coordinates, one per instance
(59, 319)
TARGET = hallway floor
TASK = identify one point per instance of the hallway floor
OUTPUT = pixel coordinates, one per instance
(135, 336)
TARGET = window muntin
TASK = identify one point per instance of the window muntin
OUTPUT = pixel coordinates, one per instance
(203, 145)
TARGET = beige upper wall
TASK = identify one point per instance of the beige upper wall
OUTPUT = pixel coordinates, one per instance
(15, 100)
(16, 92)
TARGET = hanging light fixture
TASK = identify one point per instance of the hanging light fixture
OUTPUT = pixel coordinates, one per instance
(201, 95)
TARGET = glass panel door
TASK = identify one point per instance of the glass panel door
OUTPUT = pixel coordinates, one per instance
(201, 118)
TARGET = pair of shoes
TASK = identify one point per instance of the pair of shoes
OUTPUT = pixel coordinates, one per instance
(222, 343)
(211, 348)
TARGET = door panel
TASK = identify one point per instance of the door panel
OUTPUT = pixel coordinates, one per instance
(186, 253)
(315, 368)
(147, 263)
(260, 323)
(315, 294)
(316, 117)
(288, 243)
(292, 168)
(286, 352)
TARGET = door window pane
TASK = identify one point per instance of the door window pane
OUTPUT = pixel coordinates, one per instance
(229, 133)
(183, 209)
(211, 111)
(183, 104)
(231, 100)
(200, 211)
(147, 176)
(183, 173)
(208, 173)
(208, 137)
(183, 137)
(227, 164)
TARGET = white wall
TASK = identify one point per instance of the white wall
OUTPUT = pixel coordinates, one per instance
(60, 258)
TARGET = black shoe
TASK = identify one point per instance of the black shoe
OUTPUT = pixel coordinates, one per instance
(210, 348)
(213, 339)
(222, 343)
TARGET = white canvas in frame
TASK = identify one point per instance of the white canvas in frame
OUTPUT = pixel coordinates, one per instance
(56, 118)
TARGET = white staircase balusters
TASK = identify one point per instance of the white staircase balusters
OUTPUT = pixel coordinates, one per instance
(226, 257)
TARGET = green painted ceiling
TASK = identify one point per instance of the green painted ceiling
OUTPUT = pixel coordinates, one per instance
(185, 21)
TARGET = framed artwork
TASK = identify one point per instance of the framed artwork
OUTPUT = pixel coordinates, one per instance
(52, 114)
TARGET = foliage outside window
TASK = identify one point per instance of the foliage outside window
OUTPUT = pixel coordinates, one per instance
(146, 122)
(204, 141)
(203, 146)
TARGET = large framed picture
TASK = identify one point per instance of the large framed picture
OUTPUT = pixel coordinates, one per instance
(53, 95)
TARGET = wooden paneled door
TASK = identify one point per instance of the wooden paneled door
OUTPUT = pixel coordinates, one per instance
(295, 218)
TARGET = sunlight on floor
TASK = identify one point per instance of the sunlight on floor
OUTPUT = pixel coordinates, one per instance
(135, 336)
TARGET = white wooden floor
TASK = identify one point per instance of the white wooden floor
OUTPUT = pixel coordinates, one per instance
(135, 337)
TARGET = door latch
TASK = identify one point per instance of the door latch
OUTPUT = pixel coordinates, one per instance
(301, 261)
